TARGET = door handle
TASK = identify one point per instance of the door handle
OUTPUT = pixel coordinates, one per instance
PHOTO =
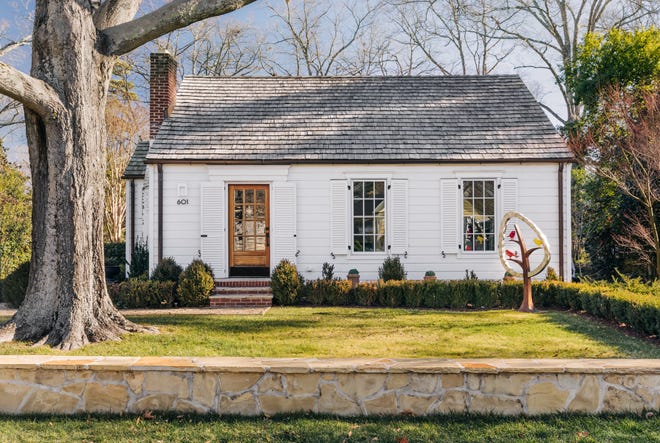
(268, 236)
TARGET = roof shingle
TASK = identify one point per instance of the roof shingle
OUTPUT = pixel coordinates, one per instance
(136, 167)
(356, 119)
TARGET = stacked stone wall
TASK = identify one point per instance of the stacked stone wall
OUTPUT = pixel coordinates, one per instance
(245, 386)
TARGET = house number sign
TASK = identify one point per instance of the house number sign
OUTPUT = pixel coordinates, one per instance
(182, 201)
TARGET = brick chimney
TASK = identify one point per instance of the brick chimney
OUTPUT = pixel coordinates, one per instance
(162, 90)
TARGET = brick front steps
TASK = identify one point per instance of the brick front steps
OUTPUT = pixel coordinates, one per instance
(32, 384)
(242, 293)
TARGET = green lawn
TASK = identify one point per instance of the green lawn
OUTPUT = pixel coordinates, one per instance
(355, 332)
(319, 429)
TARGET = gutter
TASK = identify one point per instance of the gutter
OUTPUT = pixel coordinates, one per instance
(131, 245)
(356, 161)
(560, 189)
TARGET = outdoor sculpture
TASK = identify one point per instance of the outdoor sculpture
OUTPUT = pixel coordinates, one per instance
(521, 257)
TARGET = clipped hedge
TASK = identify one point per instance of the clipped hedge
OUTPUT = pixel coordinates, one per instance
(638, 310)
(135, 293)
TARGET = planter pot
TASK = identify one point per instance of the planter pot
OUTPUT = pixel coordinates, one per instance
(430, 278)
(509, 278)
(354, 279)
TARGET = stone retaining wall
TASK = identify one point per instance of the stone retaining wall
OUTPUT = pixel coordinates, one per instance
(246, 386)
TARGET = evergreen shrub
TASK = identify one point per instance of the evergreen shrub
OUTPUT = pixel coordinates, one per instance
(285, 283)
(195, 285)
(167, 270)
(139, 266)
(392, 269)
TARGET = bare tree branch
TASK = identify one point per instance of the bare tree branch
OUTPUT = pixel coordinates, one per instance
(321, 38)
(33, 93)
(13, 45)
(125, 37)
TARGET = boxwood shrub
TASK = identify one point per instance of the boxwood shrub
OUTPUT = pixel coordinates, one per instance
(285, 283)
(195, 285)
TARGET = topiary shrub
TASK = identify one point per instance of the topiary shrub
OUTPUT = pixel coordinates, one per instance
(285, 283)
(195, 285)
(392, 269)
(136, 293)
(167, 270)
(15, 284)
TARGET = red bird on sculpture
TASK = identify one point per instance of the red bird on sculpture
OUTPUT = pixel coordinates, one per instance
(510, 254)
(512, 234)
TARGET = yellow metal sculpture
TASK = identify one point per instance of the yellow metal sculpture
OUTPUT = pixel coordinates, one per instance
(511, 234)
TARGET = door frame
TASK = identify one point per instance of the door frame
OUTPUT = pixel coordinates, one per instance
(230, 228)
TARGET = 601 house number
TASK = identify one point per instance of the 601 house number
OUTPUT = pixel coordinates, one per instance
(182, 201)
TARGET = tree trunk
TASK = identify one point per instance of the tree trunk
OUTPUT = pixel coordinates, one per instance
(528, 302)
(67, 304)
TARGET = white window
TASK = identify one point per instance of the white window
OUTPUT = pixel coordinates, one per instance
(478, 221)
(369, 215)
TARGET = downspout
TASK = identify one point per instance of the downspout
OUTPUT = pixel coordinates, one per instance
(560, 188)
(131, 244)
(160, 212)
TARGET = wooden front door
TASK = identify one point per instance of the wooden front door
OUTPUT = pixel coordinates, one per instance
(249, 230)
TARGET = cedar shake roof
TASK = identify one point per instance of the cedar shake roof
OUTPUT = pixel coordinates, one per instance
(136, 166)
(357, 120)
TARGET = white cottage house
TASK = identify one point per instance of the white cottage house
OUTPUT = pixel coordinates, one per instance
(246, 171)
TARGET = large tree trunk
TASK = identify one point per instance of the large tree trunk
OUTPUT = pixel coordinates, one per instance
(67, 304)
(74, 46)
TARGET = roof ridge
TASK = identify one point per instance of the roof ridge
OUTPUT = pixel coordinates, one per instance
(351, 77)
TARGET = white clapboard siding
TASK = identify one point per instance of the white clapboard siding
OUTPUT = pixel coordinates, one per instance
(213, 244)
(449, 206)
(509, 196)
(283, 229)
(339, 217)
(398, 243)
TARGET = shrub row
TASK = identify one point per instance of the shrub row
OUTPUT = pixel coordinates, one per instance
(135, 293)
(638, 310)
(170, 286)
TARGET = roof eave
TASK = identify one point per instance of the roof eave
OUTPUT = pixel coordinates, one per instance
(353, 161)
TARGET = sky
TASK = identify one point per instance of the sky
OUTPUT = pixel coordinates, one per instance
(15, 22)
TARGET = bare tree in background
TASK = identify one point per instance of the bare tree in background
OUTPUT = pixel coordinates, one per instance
(223, 49)
(209, 48)
(126, 122)
(552, 30)
(455, 36)
(320, 38)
